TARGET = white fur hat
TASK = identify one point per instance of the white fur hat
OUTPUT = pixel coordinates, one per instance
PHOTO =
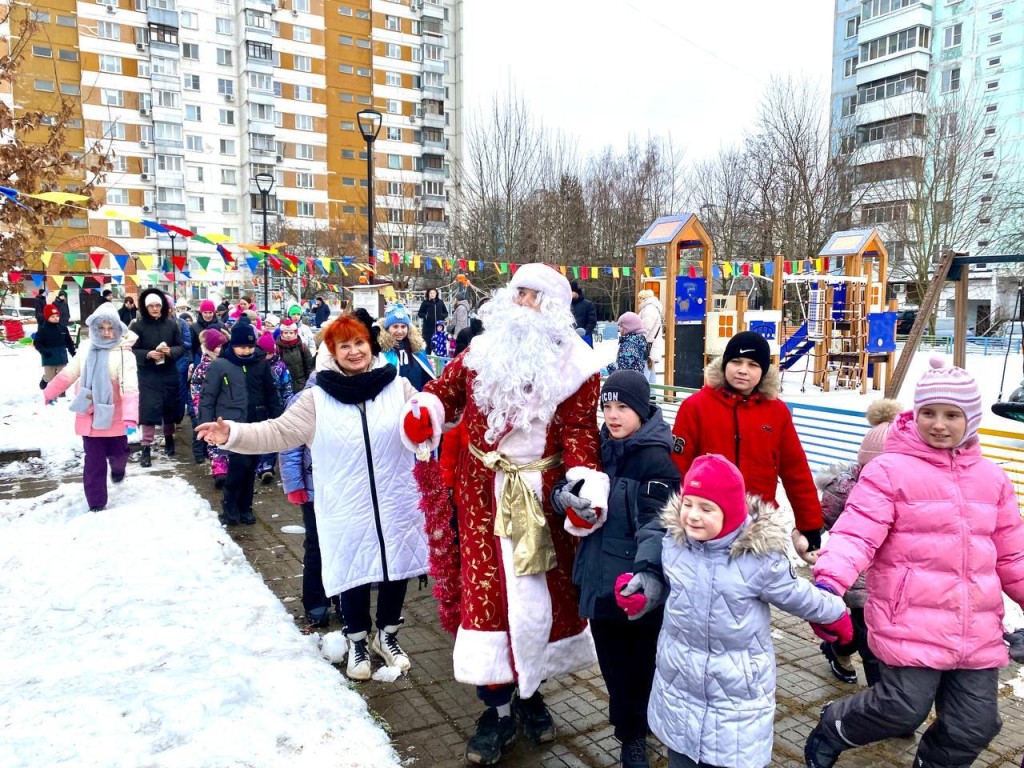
(544, 278)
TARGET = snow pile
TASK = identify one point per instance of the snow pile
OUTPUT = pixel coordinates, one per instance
(140, 635)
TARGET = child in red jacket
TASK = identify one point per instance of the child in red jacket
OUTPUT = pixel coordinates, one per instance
(738, 414)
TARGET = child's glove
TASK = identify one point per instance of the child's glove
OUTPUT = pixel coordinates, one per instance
(298, 497)
(1016, 642)
(579, 510)
(839, 631)
(638, 594)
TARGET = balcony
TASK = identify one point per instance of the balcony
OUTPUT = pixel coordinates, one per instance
(906, 61)
(897, 106)
(880, 26)
(161, 17)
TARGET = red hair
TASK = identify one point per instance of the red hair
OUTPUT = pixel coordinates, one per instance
(348, 327)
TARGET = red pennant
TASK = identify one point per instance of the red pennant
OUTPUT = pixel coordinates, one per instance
(169, 276)
(584, 273)
(292, 258)
(693, 271)
(96, 259)
(14, 276)
(746, 270)
(825, 264)
(179, 262)
(787, 267)
(462, 264)
(275, 262)
(179, 230)
(395, 258)
(304, 281)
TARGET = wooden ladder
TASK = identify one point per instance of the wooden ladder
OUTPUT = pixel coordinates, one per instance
(931, 298)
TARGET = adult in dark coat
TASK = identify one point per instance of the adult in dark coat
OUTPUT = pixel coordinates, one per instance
(128, 311)
(322, 313)
(38, 303)
(61, 302)
(157, 349)
(585, 312)
(432, 311)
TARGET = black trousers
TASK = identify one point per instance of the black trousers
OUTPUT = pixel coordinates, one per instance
(313, 596)
(355, 605)
(239, 485)
(966, 708)
(496, 695)
(626, 653)
(679, 760)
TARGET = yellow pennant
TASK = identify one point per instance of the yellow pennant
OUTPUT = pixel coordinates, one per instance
(45, 258)
(148, 260)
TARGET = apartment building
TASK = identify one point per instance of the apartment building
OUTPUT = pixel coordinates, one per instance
(904, 74)
(194, 100)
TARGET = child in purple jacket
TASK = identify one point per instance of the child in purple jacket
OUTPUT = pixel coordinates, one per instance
(941, 528)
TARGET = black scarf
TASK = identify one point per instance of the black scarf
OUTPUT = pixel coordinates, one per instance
(353, 390)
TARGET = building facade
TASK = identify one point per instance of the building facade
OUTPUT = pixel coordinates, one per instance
(925, 90)
(192, 100)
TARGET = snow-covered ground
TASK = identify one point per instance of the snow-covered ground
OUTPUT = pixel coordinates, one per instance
(141, 635)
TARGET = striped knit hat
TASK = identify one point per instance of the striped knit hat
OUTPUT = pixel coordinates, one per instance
(951, 385)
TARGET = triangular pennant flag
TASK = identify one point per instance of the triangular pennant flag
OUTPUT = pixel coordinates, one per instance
(118, 279)
(787, 267)
(647, 271)
(593, 273)
(693, 271)
(769, 269)
(252, 263)
(576, 272)
(203, 262)
(615, 271)
(179, 262)
(45, 258)
(627, 271)
(80, 279)
(122, 260)
(825, 264)
(275, 262)
(746, 269)
(325, 262)
(38, 280)
(716, 271)
(726, 269)
(148, 260)
(96, 259)
(14, 276)
(71, 258)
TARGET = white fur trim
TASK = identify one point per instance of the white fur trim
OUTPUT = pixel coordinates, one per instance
(544, 278)
(596, 485)
(575, 530)
(435, 408)
(570, 654)
(482, 658)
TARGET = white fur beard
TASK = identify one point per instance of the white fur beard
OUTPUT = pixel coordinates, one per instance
(517, 371)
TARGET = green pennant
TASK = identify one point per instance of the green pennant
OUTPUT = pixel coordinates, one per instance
(80, 279)
(71, 258)
(504, 267)
(202, 261)
(626, 271)
(576, 272)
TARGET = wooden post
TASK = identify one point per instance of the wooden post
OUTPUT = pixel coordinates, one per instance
(777, 283)
(741, 311)
(669, 306)
(960, 320)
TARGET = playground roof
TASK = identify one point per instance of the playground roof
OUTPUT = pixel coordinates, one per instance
(666, 229)
(865, 242)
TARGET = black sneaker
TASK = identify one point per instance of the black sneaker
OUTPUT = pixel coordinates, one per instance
(839, 672)
(634, 753)
(534, 718)
(267, 477)
(494, 734)
(146, 460)
(169, 445)
(96, 509)
(822, 749)
(319, 618)
(116, 478)
(247, 518)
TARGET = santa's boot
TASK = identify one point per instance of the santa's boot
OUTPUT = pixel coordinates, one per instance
(358, 657)
(385, 644)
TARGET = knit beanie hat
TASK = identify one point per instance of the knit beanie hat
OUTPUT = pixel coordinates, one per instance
(153, 298)
(288, 323)
(50, 310)
(630, 322)
(629, 387)
(243, 335)
(543, 278)
(294, 309)
(880, 415)
(213, 339)
(207, 306)
(948, 384)
(750, 345)
(267, 344)
(716, 479)
(396, 314)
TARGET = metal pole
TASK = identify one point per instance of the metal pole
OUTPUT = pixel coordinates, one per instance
(266, 261)
(371, 200)
(174, 269)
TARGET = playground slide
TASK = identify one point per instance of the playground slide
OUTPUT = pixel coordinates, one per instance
(795, 347)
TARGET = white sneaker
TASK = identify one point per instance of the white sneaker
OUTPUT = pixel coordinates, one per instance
(385, 644)
(358, 657)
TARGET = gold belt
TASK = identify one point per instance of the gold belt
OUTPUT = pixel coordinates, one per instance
(520, 515)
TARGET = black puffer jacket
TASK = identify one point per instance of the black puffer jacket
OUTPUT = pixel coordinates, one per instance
(53, 341)
(432, 311)
(584, 311)
(239, 390)
(152, 331)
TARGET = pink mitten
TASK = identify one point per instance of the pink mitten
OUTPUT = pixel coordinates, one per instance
(631, 604)
(839, 631)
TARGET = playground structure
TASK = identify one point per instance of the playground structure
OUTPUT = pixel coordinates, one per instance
(847, 329)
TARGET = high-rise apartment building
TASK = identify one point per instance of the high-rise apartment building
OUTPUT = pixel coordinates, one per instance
(906, 73)
(195, 98)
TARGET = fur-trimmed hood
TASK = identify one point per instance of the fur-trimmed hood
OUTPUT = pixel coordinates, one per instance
(769, 387)
(387, 343)
(165, 306)
(762, 534)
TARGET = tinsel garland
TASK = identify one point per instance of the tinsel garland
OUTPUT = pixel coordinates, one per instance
(435, 503)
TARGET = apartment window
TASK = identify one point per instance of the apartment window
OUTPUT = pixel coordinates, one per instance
(434, 188)
(393, 23)
(988, 154)
(226, 116)
(348, 125)
(394, 134)
(951, 80)
(304, 209)
(849, 105)
(433, 52)
(996, 16)
(990, 108)
(348, 182)
(948, 124)
(225, 87)
(994, 61)
(346, 69)
(167, 131)
(395, 162)
(303, 93)
(41, 17)
(228, 205)
(227, 146)
(261, 82)
(164, 66)
(395, 188)
(393, 51)
(952, 36)
(191, 82)
(144, 68)
(189, 19)
(225, 57)
(190, 51)
(112, 130)
(193, 142)
(302, 64)
(277, 88)
(395, 215)
(111, 64)
(170, 99)
(992, 85)
(172, 195)
(346, 98)
(393, 78)
(995, 39)
(255, 19)
(852, 25)
(345, 39)
(117, 228)
(108, 30)
(224, 26)
(880, 213)
(362, 14)
(871, 9)
(194, 173)
(915, 37)
(194, 113)
(436, 79)
(988, 176)
(196, 204)
(889, 87)
(117, 196)
(111, 98)
(263, 112)
(344, 10)
(300, 5)
(909, 125)
(261, 142)
(304, 180)
(146, 133)
(120, 164)
(279, 119)
(228, 176)
(990, 131)
(304, 122)
(302, 34)
(42, 51)
(70, 89)
(304, 151)
(258, 51)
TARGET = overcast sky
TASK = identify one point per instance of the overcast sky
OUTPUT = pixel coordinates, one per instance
(604, 69)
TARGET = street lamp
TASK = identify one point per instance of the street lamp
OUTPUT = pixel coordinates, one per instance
(369, 125)
(265, 183)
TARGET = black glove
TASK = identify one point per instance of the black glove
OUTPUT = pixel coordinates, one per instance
(813, 539)
(1016, 643)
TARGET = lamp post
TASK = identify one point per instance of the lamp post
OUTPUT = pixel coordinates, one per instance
(369, 125)
(265, 183)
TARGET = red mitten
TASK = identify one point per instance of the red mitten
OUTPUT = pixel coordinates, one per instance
(631, 604)
(298, 497)
(578, 521)
(839, 631)
(418, 430)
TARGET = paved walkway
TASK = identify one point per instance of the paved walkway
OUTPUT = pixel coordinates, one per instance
(431, 716)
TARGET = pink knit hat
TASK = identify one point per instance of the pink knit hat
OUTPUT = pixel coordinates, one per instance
(630, 322)
(716, 479)
(207, 306)
(267, 344)
(950, 385)
(880, 415)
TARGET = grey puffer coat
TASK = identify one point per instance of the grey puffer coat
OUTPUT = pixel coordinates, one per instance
(714, 687)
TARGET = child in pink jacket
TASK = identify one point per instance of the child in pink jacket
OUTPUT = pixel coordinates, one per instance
(941, 529)
(106, 400)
